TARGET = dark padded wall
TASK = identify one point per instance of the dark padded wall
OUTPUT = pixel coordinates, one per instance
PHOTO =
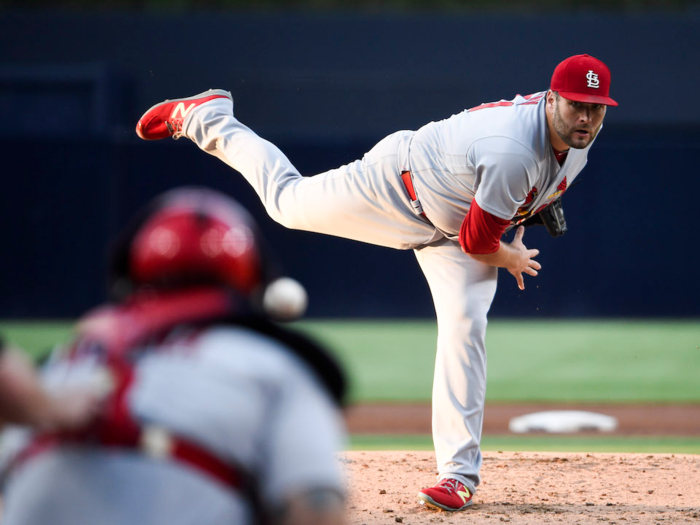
(325, 89)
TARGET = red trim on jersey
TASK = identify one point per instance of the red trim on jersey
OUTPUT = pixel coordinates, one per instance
(532, 101)
(481, 231)
(501, 104)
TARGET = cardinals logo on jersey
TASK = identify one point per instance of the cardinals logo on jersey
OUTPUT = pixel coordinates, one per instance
(523, 212)
(560, 189)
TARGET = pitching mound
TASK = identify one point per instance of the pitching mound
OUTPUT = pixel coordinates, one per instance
(531, 488)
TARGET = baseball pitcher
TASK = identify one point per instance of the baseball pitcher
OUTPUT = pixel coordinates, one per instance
(447, 191)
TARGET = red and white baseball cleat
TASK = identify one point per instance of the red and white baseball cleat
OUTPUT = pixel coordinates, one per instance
(166, 118)
(449, 494)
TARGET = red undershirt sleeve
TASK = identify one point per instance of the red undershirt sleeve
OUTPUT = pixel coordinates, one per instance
(481, 231)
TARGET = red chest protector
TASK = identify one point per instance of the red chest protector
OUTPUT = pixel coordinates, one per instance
(113, 334)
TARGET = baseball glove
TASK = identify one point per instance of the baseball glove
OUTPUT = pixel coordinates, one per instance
(552, 217)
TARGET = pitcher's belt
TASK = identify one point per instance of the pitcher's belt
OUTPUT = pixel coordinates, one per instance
(408, 184)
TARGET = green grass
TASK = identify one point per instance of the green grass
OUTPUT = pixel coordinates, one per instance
(554, 361)
(627, 361)
(540, 443)
(385, 360)
(36, 337)
(551, 361)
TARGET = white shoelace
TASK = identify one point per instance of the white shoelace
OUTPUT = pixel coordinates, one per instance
(452, 485)
(176, 129)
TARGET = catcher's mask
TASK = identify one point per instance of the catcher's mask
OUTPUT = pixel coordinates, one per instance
(190, 237)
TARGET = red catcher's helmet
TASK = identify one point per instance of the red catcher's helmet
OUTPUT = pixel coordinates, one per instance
(190, 237)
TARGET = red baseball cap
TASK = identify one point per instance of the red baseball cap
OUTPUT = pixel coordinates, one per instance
(583, 78)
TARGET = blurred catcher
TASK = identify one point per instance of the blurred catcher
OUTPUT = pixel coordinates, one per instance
(181, 403)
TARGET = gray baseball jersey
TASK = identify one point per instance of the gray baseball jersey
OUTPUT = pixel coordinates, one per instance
(241, 395)
(498, 154)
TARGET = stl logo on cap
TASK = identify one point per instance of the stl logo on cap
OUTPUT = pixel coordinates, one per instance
(583, 78)
(592, 78)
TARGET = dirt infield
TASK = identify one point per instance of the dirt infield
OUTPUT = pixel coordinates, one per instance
(667, 420)
(531, 488)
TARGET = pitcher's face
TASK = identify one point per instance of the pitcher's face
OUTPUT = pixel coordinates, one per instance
(576, 123)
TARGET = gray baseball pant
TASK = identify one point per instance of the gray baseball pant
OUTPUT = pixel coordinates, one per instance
(367, 201)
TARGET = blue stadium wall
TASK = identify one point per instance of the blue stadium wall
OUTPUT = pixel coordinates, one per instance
(325, 88)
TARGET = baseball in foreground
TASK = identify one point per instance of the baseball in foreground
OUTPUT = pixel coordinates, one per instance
(285, 299)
